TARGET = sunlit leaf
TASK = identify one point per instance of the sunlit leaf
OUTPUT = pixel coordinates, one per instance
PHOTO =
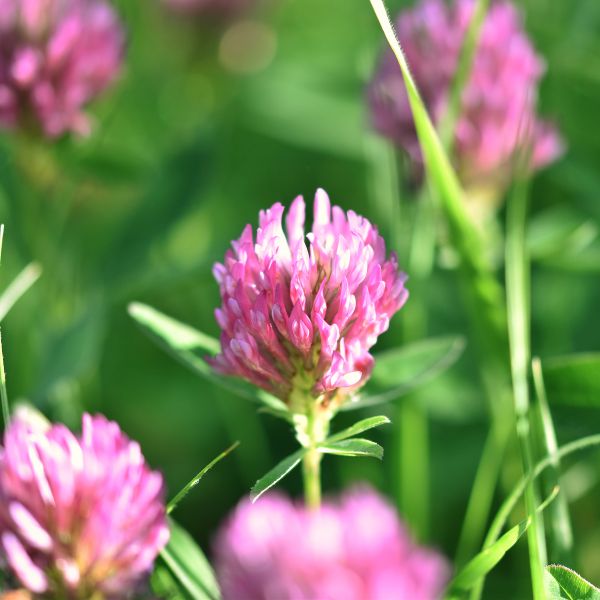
(276, 474)
(565, 584)
(401, 370)
(191, 347)
(17, 288)
(353, 447)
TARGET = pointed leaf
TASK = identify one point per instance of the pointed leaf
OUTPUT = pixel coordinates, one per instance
(276, 474)
(189, 568)
(566, 584)
(17, 288)
(399, 371)
(357, 428)
(353, 447)
(486, 560)
(191, 347)
(196, 480)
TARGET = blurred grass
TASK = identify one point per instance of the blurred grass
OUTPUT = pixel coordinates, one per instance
(185, 154)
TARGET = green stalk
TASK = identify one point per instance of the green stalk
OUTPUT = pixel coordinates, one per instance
(413, 426)
(311, 463)
(517, 291)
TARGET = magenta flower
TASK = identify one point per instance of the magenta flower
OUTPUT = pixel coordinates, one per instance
(352, 549)
(80, 517)
(300, 312)
(497, 115)
(55, 57)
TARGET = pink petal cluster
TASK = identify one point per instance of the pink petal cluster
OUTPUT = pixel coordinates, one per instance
(302, 310)
(498, 104)
(55, 57)
(80, 517)
(352, 549)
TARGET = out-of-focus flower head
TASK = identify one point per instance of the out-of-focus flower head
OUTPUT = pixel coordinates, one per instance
(351, 549)
(498, 104)
(300, 311)
(80, 517)
(55, 57)
(222, 8)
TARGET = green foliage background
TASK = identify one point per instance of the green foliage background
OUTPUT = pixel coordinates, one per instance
(185, 153)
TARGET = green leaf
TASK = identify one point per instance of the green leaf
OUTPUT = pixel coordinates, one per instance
(357, 428)
(276, 474)
(573, 380)
(190, 570)
(191, 347)
(400, 370)
(486, 560)
(196, 480)
(354, 447)
(564, 583)
(17, 288)
(559, 233)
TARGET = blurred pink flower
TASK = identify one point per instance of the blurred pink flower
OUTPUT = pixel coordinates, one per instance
(55, 57)
(352, 549)
(79, 516)
(301, 317)
(498, 103)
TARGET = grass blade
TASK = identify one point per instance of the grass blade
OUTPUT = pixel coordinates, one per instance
(562, 534)
(517, 296)
(196, 480)
(23, 281)
(465, 237)
(511, 501)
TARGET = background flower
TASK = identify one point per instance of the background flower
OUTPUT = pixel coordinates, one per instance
(55, 57)
(81, 515)
(353, 548)
(498, 105)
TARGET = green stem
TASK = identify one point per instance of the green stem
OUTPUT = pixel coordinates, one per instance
(311, 463)
(311, 467)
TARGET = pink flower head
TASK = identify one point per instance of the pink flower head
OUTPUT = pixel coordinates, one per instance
(55, 57)
(79, 516)
(497, 114)
(300, 311)
(352, 549)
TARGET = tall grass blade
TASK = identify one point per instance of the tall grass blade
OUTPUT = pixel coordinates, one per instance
(517, 295)
(560, 522)
(511, 501)
(465, 237)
